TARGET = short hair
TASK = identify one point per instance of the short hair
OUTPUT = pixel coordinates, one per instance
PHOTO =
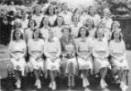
(14, 36)
(35, 24)
(120, 35)
(80, 29)
(68, 28)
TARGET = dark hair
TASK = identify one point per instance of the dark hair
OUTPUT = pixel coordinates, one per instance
(41, 23)
(120, 35)
(47, 10)
(80, 29)
(40, 35)
(14, 32)
(35, 24)
(56, 21)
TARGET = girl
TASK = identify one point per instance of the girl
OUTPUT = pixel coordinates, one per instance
(51, 14)
(29, 31)
(76, 24)
(37, 16)
(89, 24)
(35, 50)
(59, 23)
(118, 59)
(100, 54)
(115, 26)
(93, 15)
(17, 51)
(84, 55)
(45, 27)
(52, 52)
(66, 14)
(107, 20)
(69, 63)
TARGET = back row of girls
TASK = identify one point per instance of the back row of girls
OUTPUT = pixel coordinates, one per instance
(68, 42)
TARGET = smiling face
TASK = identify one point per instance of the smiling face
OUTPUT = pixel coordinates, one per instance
(36, 34)
(60, 20)
(46, 21)
(100, 34)
(66, 32)
(18, 34)
(83, 32)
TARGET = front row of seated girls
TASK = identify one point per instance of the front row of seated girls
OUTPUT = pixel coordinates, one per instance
(69, 56)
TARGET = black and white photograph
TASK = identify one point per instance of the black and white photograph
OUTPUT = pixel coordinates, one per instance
(65, 45)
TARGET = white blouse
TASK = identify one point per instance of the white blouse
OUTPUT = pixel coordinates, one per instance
(17, 48)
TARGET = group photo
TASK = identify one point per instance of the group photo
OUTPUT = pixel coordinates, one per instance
(65, 45)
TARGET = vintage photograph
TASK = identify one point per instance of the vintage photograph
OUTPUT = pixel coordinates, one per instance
(65, 45)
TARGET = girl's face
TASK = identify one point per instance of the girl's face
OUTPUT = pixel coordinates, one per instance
(46, 21)
(100, 34)
(37, 10)
(75, 18)
(17, 34)
(66, 32)
(32, 24)
(51, 34)
(60, 20)
(51, 10)
(115, 25)
(92, 10)
(83, 32)
(116, 35)
(36, 34)
(65, 7)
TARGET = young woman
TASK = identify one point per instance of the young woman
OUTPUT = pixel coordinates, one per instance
(52, 51)
(115, 26)
(118, 59)
(29, 31)
(66, 14)
(76, 24)
(51, 14)
(59, 23)
(100, 54)
(45, 27)
(107, 20)
(89, 24)
(17, 51)
(84, 55)
(93, 15)
(69, 63)
(37, 16)
(35, 50)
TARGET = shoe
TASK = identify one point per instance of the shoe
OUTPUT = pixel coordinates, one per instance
(85, 82)
(38, 84)
(87, 89)
(123, 86)
(18, 84)
(103, 84)
(53, 85)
